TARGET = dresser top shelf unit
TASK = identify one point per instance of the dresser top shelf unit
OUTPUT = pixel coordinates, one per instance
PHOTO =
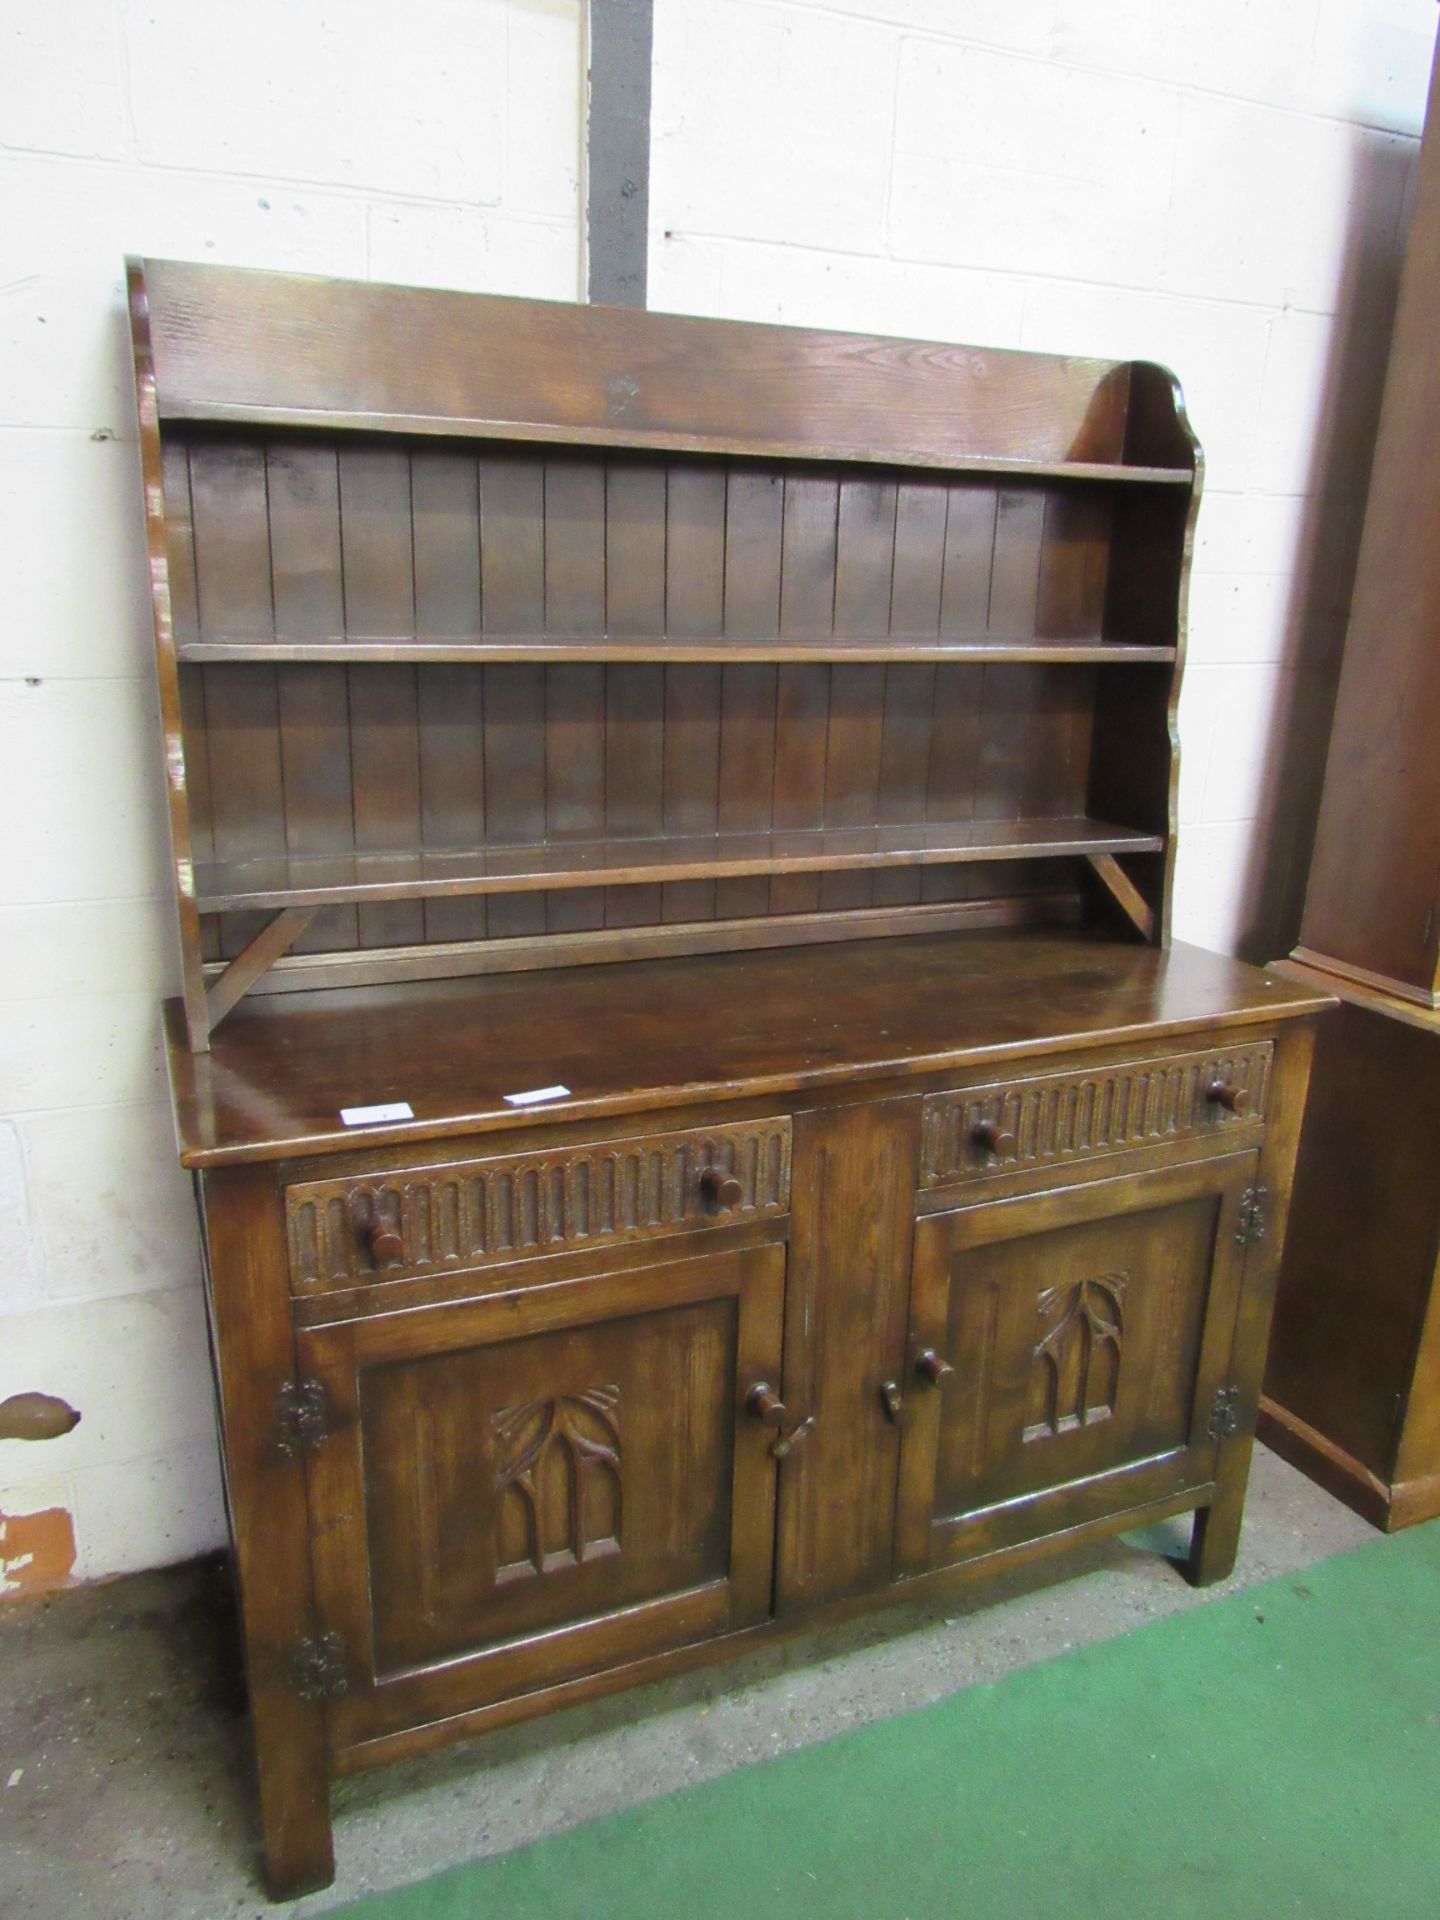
(498, 633)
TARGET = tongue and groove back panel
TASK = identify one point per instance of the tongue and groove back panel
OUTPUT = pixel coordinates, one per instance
(415, 645)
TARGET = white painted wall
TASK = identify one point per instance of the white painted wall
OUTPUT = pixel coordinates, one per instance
(436, 142)
(1216, 184)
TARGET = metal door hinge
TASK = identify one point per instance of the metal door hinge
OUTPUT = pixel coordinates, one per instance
(302, 1417)
(317, 1668)
(1225, 1413)
(1250, 1226)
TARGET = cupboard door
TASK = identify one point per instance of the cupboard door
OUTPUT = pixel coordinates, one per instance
(1088, 1333)
(532, 1486)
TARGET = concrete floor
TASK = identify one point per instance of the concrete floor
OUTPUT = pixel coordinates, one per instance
(124, 1759)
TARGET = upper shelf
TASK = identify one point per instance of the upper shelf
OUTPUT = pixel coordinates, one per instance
(317, 880)
(659, 440)
(497, 648)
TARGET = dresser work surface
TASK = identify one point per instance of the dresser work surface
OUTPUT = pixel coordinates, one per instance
(712, 1027)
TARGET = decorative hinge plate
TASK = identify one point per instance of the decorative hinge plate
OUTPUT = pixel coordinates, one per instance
(317, 1668)
(301, 1416)
(1250, 1226)
(1225, 1413)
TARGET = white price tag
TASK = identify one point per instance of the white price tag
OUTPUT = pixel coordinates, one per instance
(535, 1095)
(372, 1116)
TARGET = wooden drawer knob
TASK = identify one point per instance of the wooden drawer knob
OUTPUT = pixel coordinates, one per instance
(383, 1243)
(990, 1137)
(1224, 1093)
(721, 1189)
(931, 1367)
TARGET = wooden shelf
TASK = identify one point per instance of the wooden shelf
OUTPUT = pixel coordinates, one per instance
(412, 649)
(339, 879)
(173, 411)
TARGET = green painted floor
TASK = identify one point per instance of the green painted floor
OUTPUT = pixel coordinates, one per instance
(1274, 1753)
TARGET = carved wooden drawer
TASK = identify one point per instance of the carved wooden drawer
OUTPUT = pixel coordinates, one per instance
(477, 1213)
(1015, 1126)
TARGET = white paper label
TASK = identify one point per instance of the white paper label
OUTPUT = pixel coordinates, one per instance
(371, 1116)
(535, 1095)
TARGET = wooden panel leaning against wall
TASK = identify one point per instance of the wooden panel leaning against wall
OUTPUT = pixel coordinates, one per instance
(753, 749)
(1353, 1390)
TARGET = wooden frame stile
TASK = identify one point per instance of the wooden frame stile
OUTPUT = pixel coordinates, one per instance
(1157, 580)
(206, 1003)
(192, 979)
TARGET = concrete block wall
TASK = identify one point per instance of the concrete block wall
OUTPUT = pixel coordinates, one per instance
(1222, 188)
(435, 143)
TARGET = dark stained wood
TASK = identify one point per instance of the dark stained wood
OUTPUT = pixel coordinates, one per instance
(692, 779)
(278, 938)
(512, 1501)
(1089, 1529)
(302, 486)
(634, 787)
(1353, 1389)
(1126, 895)
(254, 1354)
(1217, 1527)
(445, 517)
(603, 555)
(1086, 1333)
(598, 947)
(169, 548)
(844, 1335)
(230, 342)
(648, 1036)
(508, 640)
(1371, 908)
(450, 710)
(1353, 1375)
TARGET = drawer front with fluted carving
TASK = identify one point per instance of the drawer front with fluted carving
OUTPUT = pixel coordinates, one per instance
(1017, 1126)
(414, 1221)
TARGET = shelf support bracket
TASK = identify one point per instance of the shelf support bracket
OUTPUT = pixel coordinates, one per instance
(275, 938)
(1124, 892)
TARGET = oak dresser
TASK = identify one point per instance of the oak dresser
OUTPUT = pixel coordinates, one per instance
(698, 1121)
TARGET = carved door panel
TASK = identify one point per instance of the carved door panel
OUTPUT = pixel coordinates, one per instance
(535, 1485)
(1087, 1334)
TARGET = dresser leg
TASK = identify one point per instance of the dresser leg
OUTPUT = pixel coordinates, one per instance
(249, 1301)
(299, 1854)
(1214, 1541)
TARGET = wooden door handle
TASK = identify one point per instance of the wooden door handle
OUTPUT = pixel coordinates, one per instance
(1226, 1094)
(766, 1405)
(930, 1366)
(993, 1139)
(721, 1189)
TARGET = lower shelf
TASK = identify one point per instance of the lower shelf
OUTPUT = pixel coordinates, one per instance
(294, 880)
